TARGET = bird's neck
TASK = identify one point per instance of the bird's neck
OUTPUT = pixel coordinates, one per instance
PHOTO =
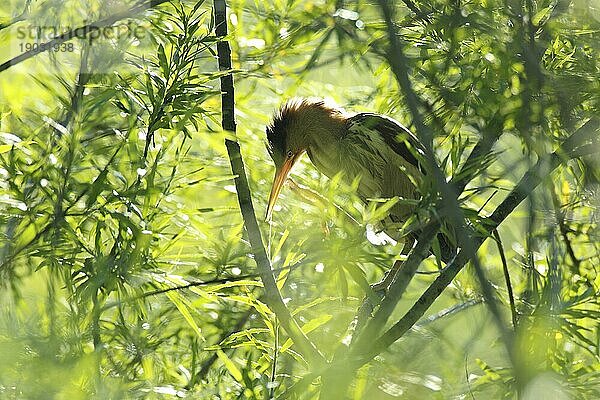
(319, 129)
(319, 133)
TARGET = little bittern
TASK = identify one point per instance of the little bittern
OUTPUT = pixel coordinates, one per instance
(377, 149)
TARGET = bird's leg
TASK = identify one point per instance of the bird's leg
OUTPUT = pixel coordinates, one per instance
(315, 197)
(378, 290)
(382, 286)
(305, 192)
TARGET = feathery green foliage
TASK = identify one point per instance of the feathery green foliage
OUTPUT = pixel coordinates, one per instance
(127, 272)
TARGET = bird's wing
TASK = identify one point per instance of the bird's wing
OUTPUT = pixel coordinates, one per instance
(393, 133)
(393, 181)
(384, 155)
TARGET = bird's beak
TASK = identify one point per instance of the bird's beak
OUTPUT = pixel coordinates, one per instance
(280, 176)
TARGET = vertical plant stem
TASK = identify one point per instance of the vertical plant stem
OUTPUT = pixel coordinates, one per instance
(96, 311)
(273, 380)
(272, 294)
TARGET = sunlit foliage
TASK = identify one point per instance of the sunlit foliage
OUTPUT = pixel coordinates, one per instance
(126, 271)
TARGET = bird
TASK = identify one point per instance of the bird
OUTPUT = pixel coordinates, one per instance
(375, 149)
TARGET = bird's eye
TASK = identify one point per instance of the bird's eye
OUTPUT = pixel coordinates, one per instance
(290, 154)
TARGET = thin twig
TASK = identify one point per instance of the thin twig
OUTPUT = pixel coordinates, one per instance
(419, 13)
(487, 291)
(564, 230)
(21, 17)
(511, 297)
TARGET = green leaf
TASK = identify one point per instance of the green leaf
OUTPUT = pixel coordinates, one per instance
(181, 304)
(230, 365)
(162, 60)
(541, 14)
(307, 328)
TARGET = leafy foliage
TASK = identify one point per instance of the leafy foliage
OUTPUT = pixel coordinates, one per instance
(126, 269)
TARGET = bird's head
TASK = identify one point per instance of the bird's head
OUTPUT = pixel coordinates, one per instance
(296, 127)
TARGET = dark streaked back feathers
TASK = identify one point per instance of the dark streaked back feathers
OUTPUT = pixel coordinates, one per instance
(393, 133)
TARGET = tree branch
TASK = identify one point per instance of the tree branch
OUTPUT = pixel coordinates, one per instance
(18, 18)
(578, 144)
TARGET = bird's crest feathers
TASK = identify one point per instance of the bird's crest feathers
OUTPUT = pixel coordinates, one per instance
(292, 114)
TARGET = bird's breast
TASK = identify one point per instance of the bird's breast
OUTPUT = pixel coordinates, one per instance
(381, 171)
(325, 160)
(352, 163)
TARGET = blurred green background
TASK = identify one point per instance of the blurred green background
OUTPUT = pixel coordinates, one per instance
(126, 273)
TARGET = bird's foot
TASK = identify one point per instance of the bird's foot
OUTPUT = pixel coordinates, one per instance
(380, 288)
(373, 298)
(365, 312)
